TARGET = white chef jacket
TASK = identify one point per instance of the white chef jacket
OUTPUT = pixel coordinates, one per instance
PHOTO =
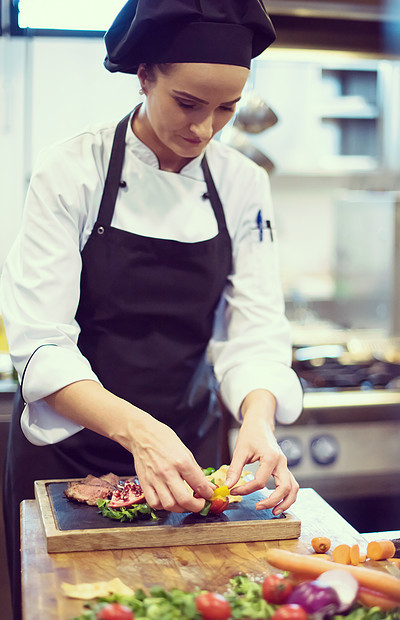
(40, 287)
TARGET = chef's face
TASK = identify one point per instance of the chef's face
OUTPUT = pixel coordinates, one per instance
(189, 103)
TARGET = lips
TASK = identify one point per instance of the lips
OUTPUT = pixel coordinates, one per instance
(192, 140)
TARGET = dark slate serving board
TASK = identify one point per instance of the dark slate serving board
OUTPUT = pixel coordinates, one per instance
(72, 515)
(70, 526)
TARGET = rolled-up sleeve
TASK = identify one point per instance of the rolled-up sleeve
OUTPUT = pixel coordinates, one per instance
(251, 346)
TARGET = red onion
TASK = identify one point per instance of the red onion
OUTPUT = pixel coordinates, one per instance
(318, 599)
(345, 585)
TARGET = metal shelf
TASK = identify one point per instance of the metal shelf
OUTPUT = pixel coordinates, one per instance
(346, 399)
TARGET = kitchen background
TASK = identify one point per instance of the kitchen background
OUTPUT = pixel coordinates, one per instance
(332, 85)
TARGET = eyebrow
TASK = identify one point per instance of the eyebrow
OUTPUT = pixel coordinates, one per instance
(182, 93)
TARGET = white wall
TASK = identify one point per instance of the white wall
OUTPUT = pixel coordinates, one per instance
(50, 88)
(12, 63)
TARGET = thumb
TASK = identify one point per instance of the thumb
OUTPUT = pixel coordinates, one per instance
(234, 471)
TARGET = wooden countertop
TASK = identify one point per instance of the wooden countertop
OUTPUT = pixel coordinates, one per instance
(206, 566)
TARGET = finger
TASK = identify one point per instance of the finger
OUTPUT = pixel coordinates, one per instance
(151, 496)
(175, 498)
(235, 469)
(259, 481)
(245, 489)
(195, 478)
(183, 495)
(282, 497)
(288, 501)
(168, 501)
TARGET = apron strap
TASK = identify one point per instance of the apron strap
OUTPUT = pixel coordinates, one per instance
(112, 183)
(213, 195)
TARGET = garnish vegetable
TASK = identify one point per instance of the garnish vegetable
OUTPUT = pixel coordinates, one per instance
(317, 598)
(321, 544)
(380, 549)
(345, 585)
(313, 567)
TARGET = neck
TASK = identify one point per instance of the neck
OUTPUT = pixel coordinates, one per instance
(168, 160)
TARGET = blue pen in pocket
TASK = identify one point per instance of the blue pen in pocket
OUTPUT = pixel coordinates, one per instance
(260, 225)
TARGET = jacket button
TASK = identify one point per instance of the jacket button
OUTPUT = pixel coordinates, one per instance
(100, 230)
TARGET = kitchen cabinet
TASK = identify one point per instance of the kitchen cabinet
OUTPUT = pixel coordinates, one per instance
(338, 113)
(186, 567)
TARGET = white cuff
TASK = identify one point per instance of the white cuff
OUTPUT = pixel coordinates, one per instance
(41, 425)
(52, 368)
(278, 379)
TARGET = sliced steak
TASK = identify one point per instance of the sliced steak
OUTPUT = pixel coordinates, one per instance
(90, 489)
(113, 479)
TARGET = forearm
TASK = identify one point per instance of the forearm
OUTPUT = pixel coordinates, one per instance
(89, 404)
(259, 405)
(166, 469)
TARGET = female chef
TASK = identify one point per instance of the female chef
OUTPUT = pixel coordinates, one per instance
(144, 256)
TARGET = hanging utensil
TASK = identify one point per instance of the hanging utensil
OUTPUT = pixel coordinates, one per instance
(254, 115)
(236, 139)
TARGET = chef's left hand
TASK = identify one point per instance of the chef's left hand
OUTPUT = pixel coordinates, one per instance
(256, 442)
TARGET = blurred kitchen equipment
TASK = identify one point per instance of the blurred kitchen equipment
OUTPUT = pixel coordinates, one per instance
(235, 138)
(254, 115)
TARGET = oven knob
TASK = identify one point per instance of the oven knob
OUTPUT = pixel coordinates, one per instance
(324, 449)
(292, 449)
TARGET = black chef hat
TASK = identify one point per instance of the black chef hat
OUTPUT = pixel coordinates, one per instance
(228, 32)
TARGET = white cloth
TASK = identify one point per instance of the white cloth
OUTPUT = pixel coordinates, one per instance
(251, 345)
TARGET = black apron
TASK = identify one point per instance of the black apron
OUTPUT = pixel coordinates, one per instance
(146, 315)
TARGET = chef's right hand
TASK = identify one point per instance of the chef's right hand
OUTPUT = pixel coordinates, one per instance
(167, 470)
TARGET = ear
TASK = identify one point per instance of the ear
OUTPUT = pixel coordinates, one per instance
(143, 77)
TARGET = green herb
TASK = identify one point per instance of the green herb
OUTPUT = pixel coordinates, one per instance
(245, 598)
(208, 471)
(369, 613)
(244, 595)
(160, 604)
(125, 513)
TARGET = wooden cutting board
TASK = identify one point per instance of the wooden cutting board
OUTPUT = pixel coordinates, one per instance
(71, 526)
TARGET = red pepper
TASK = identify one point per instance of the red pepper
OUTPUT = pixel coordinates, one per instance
(219, 504)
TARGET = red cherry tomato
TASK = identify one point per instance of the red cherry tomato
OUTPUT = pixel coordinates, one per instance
(115, 611)
(276, 589)
(218, 505)
(290, 612)
(213, 606)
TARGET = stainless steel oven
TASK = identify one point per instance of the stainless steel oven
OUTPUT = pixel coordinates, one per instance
(346, 445)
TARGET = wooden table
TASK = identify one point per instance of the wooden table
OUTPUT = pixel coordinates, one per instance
(206, 566)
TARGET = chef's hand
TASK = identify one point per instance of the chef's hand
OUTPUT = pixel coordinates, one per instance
(167, 470)
(256, 442)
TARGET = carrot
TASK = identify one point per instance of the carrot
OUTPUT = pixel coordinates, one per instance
(355, 555)
(313, 567)
(380, 549)
(325, 556)
(395, 561)
(321, 544)
(371, 598)
(341, 554)
(363, 557)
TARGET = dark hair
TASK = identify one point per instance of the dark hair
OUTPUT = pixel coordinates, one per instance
(164, 67)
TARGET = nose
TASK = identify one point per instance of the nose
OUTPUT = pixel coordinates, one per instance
(203, 129)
